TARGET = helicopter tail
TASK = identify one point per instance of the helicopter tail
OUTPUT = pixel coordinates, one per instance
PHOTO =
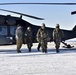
(74, 29)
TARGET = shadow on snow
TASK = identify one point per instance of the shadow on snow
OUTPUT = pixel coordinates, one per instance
(35, 52)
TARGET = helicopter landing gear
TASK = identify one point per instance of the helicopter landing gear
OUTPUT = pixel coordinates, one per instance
(67, 45)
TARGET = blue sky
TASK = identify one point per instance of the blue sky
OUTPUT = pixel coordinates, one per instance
(52, 14)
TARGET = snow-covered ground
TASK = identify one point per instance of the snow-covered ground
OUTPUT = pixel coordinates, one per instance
(37, 63)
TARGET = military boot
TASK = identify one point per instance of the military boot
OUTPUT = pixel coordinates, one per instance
(45, 51)
(29, 49)
(38, 48)
(57, 50)
(18, 51)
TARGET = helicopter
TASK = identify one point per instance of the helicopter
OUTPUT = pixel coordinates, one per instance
(9, 23)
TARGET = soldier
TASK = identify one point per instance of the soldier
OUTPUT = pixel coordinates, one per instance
(19, 37)
(42, 36)
(28, 38)
(57, 37)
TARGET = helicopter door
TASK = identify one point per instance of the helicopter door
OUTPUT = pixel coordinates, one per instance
(12, 33)
(3, 35)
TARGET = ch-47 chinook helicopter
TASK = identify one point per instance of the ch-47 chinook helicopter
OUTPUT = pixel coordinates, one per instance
(9, 23)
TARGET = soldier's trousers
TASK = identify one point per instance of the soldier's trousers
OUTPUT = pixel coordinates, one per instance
(57, 45)
(29, 45)
(19, 44)
(44, 46)
(39, 45)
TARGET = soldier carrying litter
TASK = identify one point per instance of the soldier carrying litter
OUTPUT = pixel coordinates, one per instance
(57, 37)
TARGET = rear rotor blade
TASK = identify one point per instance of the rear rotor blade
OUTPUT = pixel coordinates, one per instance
(22, 14)
(38, 3)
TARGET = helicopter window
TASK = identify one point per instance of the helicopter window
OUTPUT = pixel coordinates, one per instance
(3, 30)
(12, 30)
(2, 20)
(10, 21)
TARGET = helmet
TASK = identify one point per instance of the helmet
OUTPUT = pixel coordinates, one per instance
(43, 26)
(57, 26)
(29, 28)
(18, 25)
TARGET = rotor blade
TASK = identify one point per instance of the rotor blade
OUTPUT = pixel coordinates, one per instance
(74, 12)
(22, 14)
(39, 3)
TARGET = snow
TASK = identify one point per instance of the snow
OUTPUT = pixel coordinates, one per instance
(71, 40)
(37, 63)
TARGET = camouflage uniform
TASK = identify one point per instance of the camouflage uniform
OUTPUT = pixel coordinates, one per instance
(28, 38)
(42, 36)
(19, 38)
(57, 37)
